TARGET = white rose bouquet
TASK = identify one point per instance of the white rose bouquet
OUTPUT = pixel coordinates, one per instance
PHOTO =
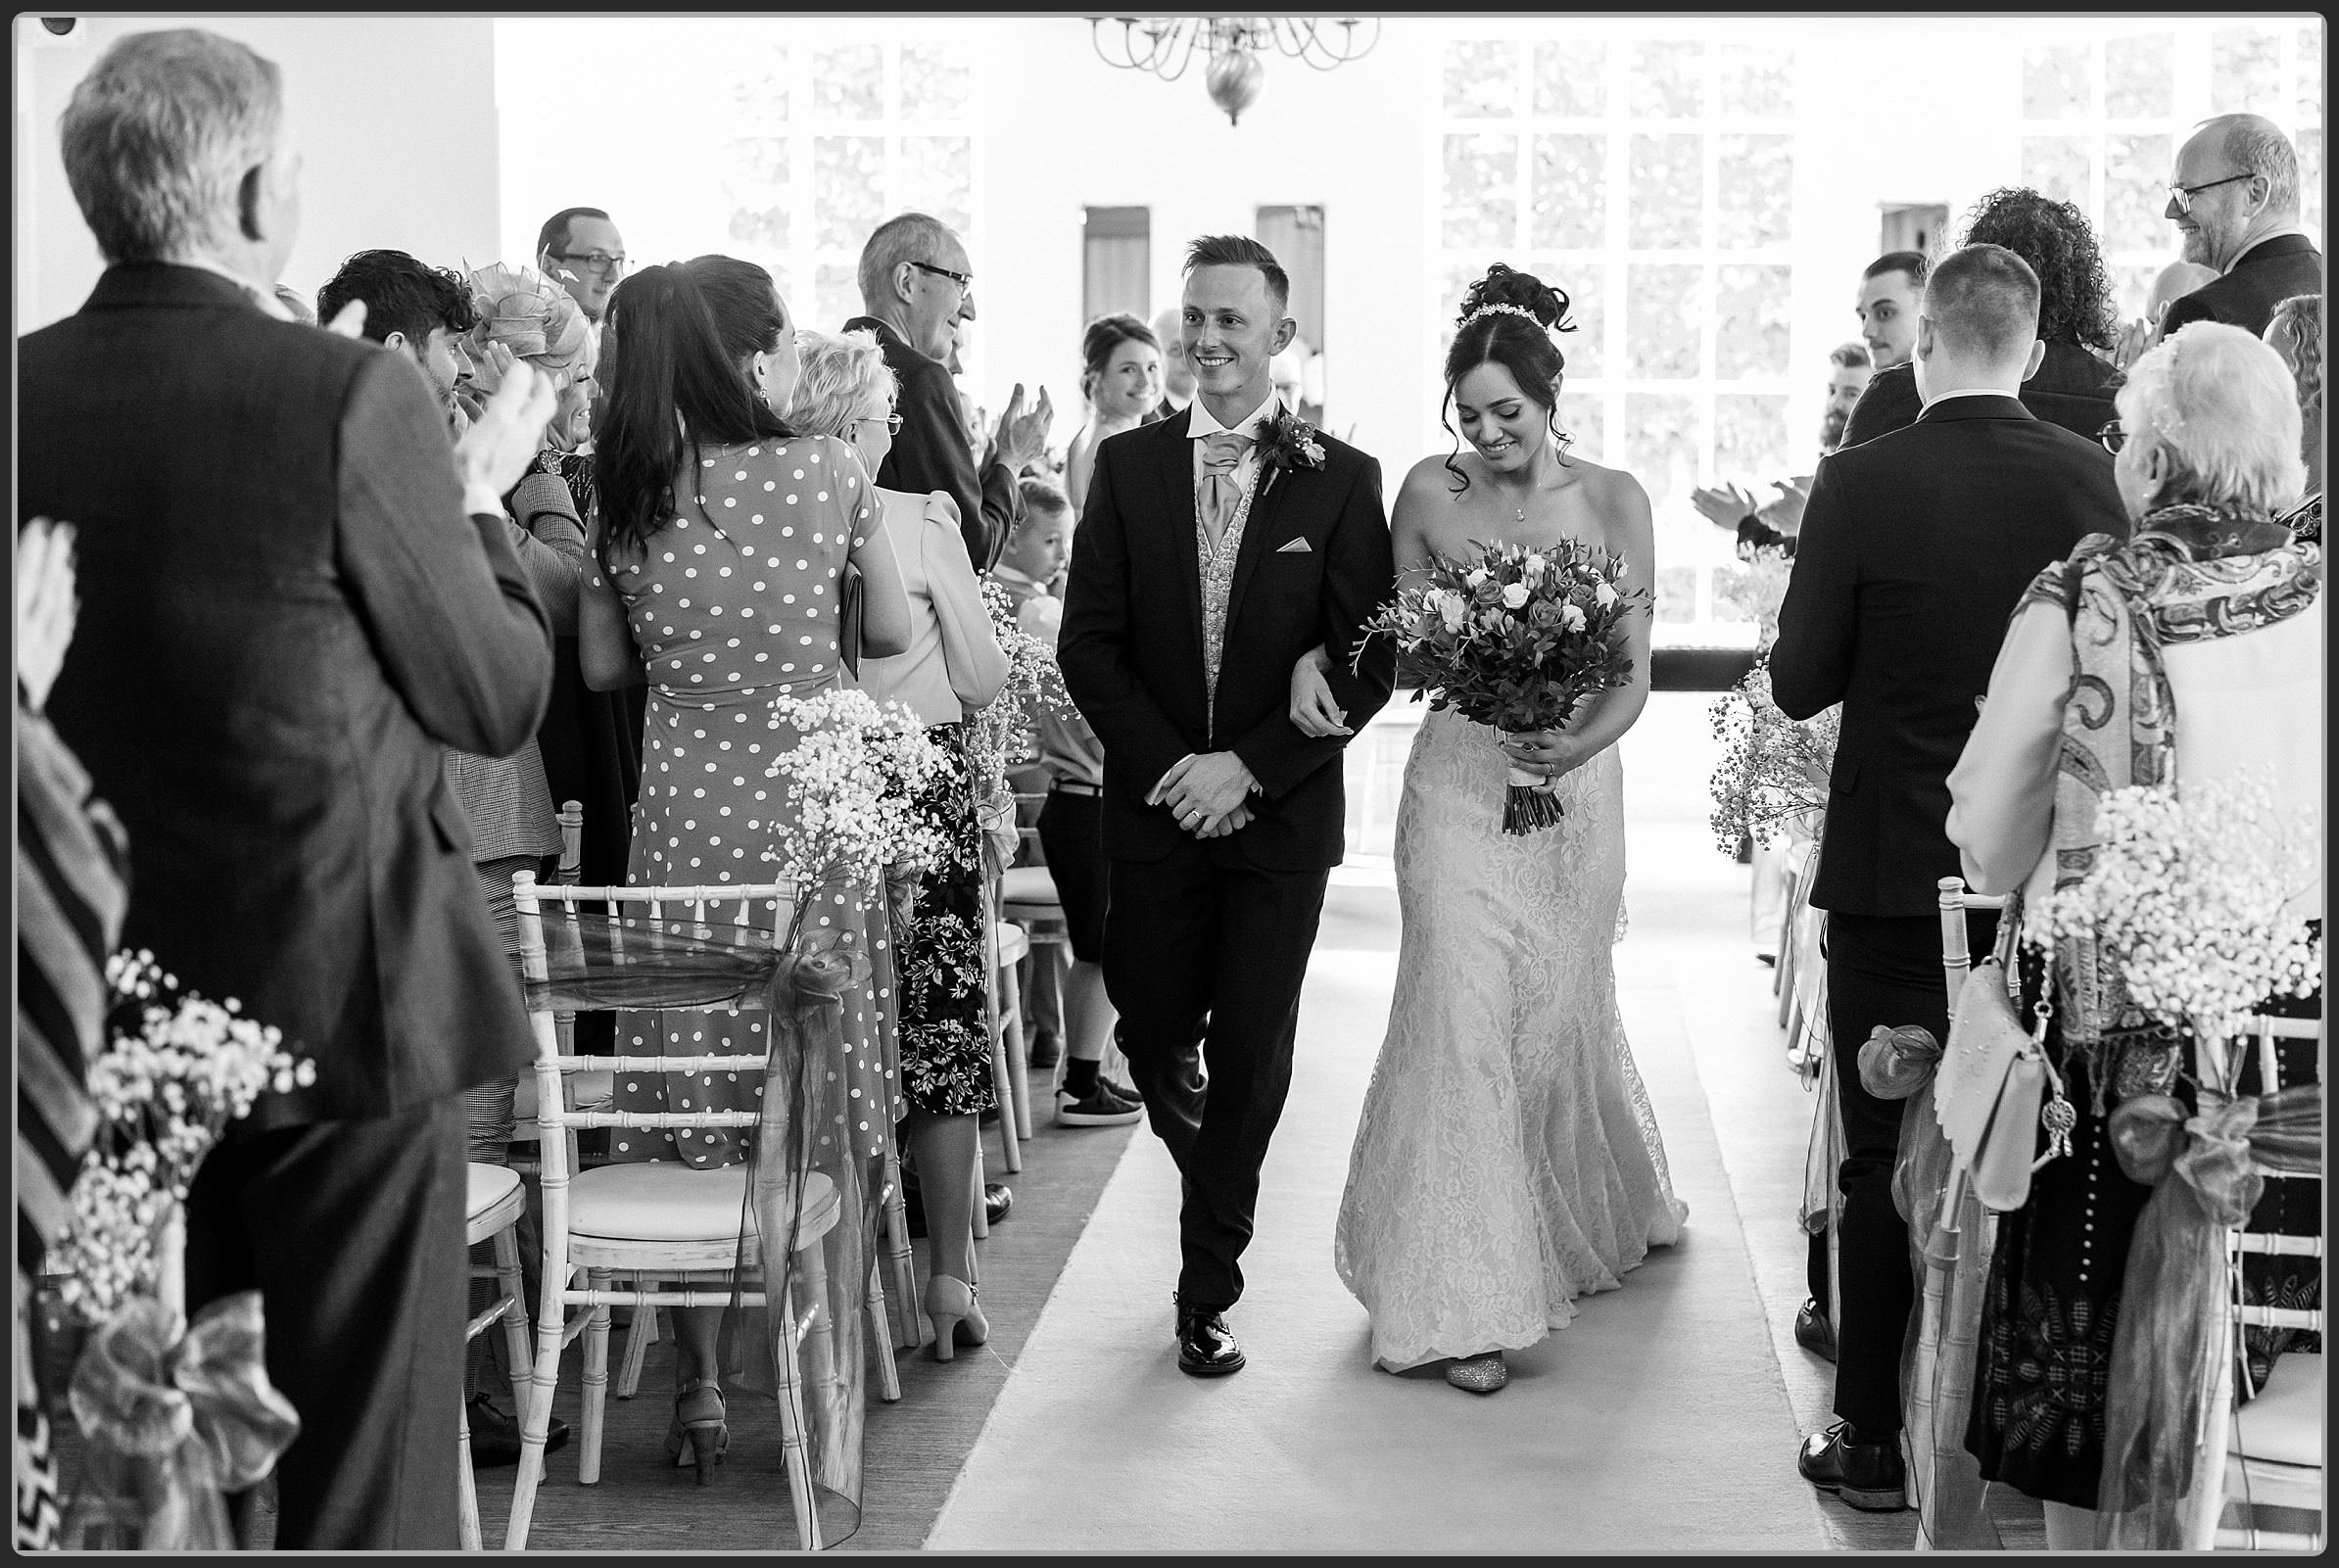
(1514, 637)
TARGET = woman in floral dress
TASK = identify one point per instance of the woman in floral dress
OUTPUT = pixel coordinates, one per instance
(720, 549)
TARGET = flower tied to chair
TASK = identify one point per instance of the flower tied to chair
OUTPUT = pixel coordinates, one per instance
(1895, 1064)
(2170, 1351)
(176, 1415)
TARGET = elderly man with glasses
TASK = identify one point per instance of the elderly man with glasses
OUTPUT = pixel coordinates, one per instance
(2234, 198)
(581, 249)
(916, 287)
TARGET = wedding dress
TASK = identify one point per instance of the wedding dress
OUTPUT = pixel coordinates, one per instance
(1507, 1160)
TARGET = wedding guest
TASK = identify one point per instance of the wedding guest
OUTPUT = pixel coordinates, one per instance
(71, 861)
(581, 249)
(916, 286)
(1775, 523)
(2295, 332)
(1178, 374)
(2202, 675)
(424, 313)
(1915, 547)
(1071, 825)
(2169, 285)
(2073, 385)
(2234, 198)
(952, 668)
(1042, 542)
(286, 616)
(1886, 306)
(1120, 376)
(705, 359)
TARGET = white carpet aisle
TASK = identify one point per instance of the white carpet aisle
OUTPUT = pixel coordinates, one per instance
(1660, 1421)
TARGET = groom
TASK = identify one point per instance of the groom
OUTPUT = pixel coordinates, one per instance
(1217, 548)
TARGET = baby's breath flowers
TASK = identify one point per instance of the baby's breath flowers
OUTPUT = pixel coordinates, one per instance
(996, 736)
(178, 1067)
(853, 778)
(2187, 897)
(1773, 766)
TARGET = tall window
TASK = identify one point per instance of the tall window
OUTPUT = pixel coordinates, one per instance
(1116, 261)
(1296, 234)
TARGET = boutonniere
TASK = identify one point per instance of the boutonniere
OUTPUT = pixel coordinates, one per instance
(1287, 442)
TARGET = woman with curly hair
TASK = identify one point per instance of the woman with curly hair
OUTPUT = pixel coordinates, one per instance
(2073, 387)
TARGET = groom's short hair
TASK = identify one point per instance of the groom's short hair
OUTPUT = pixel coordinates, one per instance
(1984, 299)
(1240, 250)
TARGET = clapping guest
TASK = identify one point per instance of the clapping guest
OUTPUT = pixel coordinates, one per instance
(1120, 376)
(2169, 285)
(1774, 524)
(424, 313)
(2200, 637)
(2073, 385)
(2296, 334)
(952, 668)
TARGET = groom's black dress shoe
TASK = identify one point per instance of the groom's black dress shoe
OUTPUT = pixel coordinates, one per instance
(1205, 1348)
(1869, 1476)
(1814, 1332)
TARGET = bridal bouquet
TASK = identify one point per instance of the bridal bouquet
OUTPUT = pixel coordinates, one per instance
(853, 778)
(1773, 767)
(176, 1414)
(2186, 898)
(1513, 637)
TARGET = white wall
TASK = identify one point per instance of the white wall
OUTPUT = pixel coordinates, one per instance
(394, 118)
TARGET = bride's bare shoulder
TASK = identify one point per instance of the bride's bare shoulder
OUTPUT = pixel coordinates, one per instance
(1610, 490)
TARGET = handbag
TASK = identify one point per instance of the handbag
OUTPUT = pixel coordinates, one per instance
(1990, 1092)
(848, 618)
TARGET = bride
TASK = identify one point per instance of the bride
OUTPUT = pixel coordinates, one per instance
(1507, 1160)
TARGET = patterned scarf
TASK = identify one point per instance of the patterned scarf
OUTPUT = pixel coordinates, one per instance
(2188, 574)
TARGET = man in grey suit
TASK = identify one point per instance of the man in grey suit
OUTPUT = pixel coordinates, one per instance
(292, 602)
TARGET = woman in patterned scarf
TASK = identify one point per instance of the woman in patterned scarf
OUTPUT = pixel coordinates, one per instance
(2296, 332)
(2191, 651)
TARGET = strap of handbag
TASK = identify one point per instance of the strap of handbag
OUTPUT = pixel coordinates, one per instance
(848, 619)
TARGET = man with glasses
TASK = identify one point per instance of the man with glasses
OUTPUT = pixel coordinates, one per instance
(916, 287)
(2235, 197)
(581, 249)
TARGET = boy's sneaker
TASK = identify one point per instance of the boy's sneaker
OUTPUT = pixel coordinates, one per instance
(1101, 1109)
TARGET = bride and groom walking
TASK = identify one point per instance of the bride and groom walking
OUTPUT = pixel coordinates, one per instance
(1507, 1159)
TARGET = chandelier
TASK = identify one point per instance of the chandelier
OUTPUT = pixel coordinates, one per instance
(1230, 47)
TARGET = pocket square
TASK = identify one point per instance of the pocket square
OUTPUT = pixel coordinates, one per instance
(1298, 547)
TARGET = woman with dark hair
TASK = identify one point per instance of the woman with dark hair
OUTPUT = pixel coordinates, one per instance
(720, 549)
(1508, 1160)
(2073, 385)
(1120, 376)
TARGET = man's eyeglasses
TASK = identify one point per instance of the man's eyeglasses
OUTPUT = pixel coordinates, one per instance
(965, 281)
(2182, 195)
(892, 424)
(2114, 436)
(593, 261)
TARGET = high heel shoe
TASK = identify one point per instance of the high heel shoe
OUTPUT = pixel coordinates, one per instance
(957, 1317)
(1478, 1374)
(700, 1435)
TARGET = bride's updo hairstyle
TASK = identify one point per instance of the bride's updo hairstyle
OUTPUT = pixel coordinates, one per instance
(1507, 318)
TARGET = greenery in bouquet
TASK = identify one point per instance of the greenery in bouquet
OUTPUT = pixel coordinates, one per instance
(1515, 639)
(1773, 767)
(2186, 898)
(852, 782)
(175, 1070)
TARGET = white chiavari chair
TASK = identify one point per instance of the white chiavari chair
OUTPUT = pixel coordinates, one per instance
(494, 1201)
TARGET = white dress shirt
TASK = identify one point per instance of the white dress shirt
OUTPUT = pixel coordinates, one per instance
(1253, 426)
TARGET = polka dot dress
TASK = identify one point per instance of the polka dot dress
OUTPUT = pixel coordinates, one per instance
(734, 604)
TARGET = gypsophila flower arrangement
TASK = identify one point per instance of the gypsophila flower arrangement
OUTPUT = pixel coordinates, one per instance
(1773, 767)
(1757, 588)
(852, 777)
(2186, 896)
(999, 736)
(178, 1067)
(1513, 637)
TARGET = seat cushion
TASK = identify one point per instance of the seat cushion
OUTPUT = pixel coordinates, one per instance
(487, 1186)
(1031, 885)
(663, 1200)
(2283, 1425)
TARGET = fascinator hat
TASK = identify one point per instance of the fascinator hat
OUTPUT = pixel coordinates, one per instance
(532, 317)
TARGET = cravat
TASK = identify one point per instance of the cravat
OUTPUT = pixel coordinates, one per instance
(1222, 450)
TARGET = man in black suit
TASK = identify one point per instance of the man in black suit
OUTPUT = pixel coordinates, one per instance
(286, 617)
(2235, 197)
(1915, 547)
(916, 286)
(1215, 550)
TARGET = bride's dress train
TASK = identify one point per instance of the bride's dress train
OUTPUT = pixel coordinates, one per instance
(1507, 1160)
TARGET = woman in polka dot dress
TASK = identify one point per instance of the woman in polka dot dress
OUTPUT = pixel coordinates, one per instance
(723, 539)
(954, 668)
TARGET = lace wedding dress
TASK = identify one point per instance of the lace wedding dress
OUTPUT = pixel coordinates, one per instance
(1507, 1160)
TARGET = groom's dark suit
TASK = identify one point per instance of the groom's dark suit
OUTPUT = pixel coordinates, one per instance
(1208, 939)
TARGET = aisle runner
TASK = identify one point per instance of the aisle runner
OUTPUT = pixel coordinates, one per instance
(1658, 1421)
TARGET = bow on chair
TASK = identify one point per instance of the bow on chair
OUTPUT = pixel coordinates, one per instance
(177, 1416)
(2168, 1354)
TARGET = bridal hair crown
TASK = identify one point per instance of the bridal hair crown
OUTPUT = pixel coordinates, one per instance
(1503, 309)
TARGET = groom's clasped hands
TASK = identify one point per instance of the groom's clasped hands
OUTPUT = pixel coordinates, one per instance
(1209, 793)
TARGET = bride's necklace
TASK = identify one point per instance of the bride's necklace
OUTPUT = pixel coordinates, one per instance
(1520, 512)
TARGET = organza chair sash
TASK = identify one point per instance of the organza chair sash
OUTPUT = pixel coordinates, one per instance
(2207, 1171)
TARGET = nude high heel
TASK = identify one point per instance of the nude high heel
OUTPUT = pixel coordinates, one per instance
(700, 1435)
(957, 1317)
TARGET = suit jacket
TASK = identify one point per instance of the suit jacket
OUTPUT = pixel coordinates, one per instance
(1131, 645)
(2073, 389)
(931, 452)
(2268, 273)
(1915, 548)
(285, 620)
